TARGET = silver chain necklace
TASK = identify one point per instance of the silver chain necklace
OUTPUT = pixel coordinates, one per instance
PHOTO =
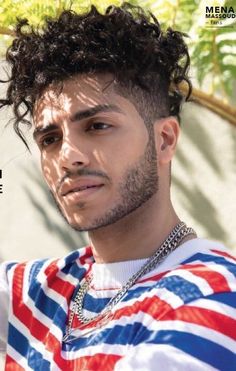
(174, 239)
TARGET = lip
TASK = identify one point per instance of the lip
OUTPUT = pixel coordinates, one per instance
(82, 186)
(79, 195)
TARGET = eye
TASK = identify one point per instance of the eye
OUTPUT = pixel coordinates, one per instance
(48, 140)
(96, 126)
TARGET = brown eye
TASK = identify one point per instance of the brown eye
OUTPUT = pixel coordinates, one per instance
(47, 141)
(99, 126)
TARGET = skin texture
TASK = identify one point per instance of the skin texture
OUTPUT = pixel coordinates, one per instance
(90, 136)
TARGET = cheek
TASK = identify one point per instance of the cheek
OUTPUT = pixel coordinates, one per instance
(50, 172)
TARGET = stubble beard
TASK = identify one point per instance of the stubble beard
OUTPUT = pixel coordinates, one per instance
(139, 183)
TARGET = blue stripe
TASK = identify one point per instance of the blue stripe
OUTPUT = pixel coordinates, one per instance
(206, 258)
(228, 298)
(41, 301)
(96, 305)
(196, 346)
(186, 290)
(10, 265)
(35, 270)
(71, 257)
(20, 343)
(205, 350)
(74, 270)
(118, 334)
(46, 305)
(71, 267)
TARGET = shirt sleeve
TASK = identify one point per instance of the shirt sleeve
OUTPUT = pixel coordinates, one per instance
(4, 305)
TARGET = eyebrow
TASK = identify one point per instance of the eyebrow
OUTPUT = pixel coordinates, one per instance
(44, 130)
(78, 116)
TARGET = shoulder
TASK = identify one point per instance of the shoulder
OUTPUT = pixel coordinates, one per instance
(196, 270)
(201, 265)
(209, 266)
(31, 273)
(192, 306)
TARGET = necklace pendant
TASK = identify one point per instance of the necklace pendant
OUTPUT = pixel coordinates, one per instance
(82, 331)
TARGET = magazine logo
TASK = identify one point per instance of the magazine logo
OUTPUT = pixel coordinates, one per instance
(1, 191)
(216, 14)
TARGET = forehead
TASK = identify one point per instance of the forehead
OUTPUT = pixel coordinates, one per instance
(78, 93)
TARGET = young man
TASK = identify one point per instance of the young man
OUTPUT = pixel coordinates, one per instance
(102, 91)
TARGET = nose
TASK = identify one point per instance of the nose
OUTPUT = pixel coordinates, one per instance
(72, 156)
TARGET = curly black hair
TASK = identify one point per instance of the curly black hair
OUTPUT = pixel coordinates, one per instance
(148, 63)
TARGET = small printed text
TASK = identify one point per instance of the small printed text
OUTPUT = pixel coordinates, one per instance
(1, 185)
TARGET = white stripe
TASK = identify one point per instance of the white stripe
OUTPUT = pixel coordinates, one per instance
(41, 275)
(116, 349)
(45, 320)
(155, 326)
(35, 343)
(18, 358)
(54, 295)
(49, 292)
(40, 316)
(198, 330)
(152, 357)
(26, 276)
(163, 294)
(67, 277)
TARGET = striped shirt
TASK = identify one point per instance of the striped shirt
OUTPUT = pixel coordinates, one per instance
(180, 316)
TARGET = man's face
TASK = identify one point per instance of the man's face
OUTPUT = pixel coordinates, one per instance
(98, 158)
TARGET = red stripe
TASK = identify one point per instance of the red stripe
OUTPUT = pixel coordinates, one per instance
(99, 361)
(215, 279)
(12, 365)
(87, 257)
(204, 317)
(64, 288)
(94, 362)
(41, 332)
(225, 254)
(153, 306)
(24, 314)
(20, 310)
(155, 278)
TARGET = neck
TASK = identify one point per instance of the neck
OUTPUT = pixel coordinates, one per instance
(136, 236)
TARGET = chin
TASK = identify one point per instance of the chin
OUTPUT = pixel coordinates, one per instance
(83, 228)
(81, 225)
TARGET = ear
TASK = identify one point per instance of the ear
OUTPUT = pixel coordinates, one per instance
(167, 133)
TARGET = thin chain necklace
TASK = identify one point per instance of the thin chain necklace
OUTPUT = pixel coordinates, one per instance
(173, 240)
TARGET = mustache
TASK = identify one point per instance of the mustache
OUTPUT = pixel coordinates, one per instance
(78, 173)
